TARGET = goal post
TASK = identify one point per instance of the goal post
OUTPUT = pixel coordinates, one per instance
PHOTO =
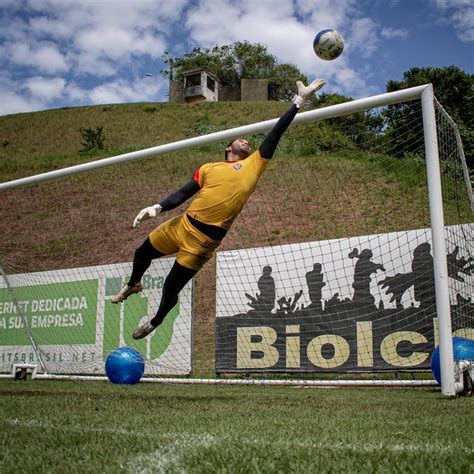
(438, 239)
(353, 256)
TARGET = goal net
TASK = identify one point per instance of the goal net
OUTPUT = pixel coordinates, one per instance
(329, 269)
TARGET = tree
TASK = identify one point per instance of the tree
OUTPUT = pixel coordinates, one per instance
(453, 87)
(240, 60)
(362, 128)
(282, 81)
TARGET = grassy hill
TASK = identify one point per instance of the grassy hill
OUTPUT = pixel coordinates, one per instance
(319, 186)
(38, 142)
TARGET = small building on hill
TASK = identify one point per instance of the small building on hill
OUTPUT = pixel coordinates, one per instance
(202, 85)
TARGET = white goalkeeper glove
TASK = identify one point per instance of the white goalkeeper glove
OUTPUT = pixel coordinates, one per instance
(147, 213)
(304, 91)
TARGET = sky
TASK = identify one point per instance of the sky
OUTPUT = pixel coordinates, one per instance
(66, 53)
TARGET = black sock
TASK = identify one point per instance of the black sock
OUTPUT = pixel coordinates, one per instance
(174, 283)
(142, 260)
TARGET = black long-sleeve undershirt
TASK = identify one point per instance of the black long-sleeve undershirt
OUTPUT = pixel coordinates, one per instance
(186, 191)
(269, 144)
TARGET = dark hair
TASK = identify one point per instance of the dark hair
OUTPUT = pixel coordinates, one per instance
(228, 145)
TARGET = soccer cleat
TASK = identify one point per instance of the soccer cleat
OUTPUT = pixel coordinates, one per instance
(143, 330)
(126, 291)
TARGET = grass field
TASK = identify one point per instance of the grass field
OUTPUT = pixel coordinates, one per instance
(98, 427)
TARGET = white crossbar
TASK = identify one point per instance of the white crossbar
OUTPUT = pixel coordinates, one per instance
(304, 117)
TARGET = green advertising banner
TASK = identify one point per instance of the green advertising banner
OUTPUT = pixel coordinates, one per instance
(54, 317)
(65, 321)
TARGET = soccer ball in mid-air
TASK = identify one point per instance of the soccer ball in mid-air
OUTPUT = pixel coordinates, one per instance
(328, 44)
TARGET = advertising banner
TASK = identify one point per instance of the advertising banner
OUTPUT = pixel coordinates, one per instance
(68, 315)
(356, 304)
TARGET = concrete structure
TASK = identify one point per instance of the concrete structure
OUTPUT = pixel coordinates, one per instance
(176, 91)
(196, 85)
(254, 89)
(229, 94)
(201, 85)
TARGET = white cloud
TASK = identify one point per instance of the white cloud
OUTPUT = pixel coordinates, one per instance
(94, 65)
(204, 28)
(461, 13)
(110, 93)
(325, 14)
(453, 3)
(45, 89)
(363, 36)
(47, 26)
(14, 99)
(8, 4)
(149, 44)
(389, 33)
(15, 103)
(91, 36)
(43, 56)
(109, 42)
(143, 89)
(75, 94)
(13, 29)
(118, 44)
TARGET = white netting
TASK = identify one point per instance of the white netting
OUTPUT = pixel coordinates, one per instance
(328, 267)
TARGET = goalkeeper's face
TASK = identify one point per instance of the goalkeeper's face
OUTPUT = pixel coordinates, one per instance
(239, 149)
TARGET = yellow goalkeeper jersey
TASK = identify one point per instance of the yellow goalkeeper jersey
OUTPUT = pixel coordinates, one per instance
(225, 188)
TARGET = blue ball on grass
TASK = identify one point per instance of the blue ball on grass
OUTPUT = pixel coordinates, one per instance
(463, 349)
(125, 366)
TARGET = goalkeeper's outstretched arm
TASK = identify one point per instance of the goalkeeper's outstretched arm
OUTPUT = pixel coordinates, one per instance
(268, 146)
(175, 199)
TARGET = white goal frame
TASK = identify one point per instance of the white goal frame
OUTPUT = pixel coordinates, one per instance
(423, 93)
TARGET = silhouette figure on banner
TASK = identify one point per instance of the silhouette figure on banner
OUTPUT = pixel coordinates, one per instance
(363, 270)
(421, 278)
(265, 300)
(459, 265)
(315, 283)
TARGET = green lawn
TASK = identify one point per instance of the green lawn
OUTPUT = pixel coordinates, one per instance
(99, 427)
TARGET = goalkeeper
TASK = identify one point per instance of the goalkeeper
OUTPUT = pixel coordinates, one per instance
(222, 190)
